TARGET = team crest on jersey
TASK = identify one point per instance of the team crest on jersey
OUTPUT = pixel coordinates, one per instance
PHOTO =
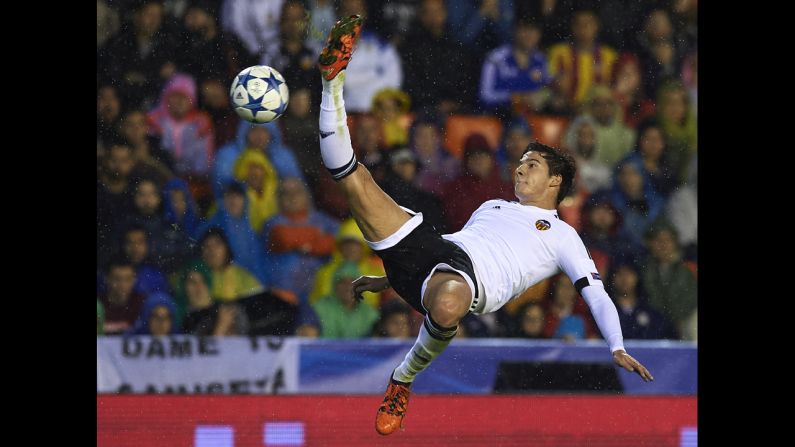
(543, 225)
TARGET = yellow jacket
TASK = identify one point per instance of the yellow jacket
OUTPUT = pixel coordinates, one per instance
(369, 265)
(260, 206)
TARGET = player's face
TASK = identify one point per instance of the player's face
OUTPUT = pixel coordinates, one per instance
(531, 178)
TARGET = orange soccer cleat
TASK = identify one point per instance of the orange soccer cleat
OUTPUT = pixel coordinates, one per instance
(339, 47)
(390, 414)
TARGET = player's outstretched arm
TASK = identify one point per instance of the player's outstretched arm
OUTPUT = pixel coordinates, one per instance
(369, 284)
(606, 316)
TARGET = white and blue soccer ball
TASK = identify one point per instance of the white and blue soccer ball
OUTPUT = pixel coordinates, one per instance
(259, 94)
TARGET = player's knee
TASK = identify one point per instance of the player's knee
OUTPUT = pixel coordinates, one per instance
(449, 304)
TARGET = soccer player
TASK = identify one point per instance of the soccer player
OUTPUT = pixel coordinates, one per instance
(503, 249)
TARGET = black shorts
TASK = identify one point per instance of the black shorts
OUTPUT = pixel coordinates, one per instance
(411, 260)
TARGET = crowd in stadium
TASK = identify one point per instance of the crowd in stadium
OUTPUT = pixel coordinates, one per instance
(210, 225)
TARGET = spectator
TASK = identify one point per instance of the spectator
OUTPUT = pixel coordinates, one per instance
(351, 247)
(229, 280)
(391, 107)
(678, 122)
(395, 321)
(427, 43)
(149, 279)
(581, 63)
(635, 199)
(531, 321)
(514, 76)
(299, 239)
(563, 322)
(437, 166)
(141, 56)
(233, 220)
(179, 208)
(341, 314)
(254, 22)
(169, 246)
(207, 51)
(107, 22)
(638, 319)
(114, 196)
(516, 137)
(399, 184)
(480, 179)
(671, 285)
(481, 25)
(650, 153)
(613, 138)
(156, 318)
(629, 92)
(682, 211)
(368, 146)
(655, 48)
(147, 152)
(108, 112)
(263, 138)
(122, 304)
(601, 233)
(205, 316)
(322, 16)
(580, 140)
(289, 54)
(215, 101)
(256, 172)
(299, 126)
(185, 131)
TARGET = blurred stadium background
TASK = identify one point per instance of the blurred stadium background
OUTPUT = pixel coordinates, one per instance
(225, 252)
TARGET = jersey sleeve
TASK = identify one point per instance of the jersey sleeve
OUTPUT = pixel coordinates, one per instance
(576, 262)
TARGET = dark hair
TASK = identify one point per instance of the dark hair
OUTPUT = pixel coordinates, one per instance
(116, 139)
(217, 231)
(643, 126)
(235, 187)
(560, 163)
(119, 260)
(135, 226)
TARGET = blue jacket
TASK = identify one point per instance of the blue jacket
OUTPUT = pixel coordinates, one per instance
(280, 156)
(190, 220)
(246, 248)
(141, 325)
(501, 76)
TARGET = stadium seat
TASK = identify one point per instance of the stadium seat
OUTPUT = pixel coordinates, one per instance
(459, 127)
(548, 129)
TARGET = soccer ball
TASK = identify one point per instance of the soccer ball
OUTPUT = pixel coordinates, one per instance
(259, 94)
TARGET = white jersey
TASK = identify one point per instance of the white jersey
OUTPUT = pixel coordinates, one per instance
(514, 246)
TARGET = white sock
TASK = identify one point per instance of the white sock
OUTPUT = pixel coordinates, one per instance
(431, 341)
(335, 139)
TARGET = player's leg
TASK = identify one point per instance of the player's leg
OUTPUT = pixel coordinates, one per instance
(447, 298)
(377, 215)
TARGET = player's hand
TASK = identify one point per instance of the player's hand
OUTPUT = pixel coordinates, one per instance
(369, 284)
(627, 362)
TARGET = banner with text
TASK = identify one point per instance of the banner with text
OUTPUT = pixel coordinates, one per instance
(183, 364)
